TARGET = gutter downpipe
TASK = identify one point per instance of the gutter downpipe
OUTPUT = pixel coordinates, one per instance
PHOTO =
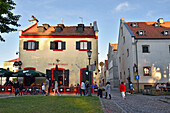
(137, 66)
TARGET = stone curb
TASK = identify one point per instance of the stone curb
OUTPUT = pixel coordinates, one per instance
(103, 108)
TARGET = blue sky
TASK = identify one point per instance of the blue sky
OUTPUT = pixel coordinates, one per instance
(107, 13)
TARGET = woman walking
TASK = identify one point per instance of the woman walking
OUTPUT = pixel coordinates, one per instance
(56, 89)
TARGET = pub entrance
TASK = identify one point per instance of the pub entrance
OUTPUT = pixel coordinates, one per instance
(63, 76)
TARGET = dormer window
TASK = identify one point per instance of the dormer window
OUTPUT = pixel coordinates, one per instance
(141, 32)
(135, 24)
(166, 32)
(156, 24)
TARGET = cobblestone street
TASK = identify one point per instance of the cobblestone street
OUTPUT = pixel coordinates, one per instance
(136, 103)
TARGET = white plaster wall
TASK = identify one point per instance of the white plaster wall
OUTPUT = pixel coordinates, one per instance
(158, 58)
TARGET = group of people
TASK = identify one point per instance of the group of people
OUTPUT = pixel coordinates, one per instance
(108, 89)
(87, 86)
(45, 87)
(18, 87)
(162, 85)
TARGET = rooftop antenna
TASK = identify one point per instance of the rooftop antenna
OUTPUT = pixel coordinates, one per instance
(62, 20)
(81, 19)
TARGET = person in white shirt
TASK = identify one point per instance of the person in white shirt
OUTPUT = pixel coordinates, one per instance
(56, 89)
(108, 90)
(82, 88)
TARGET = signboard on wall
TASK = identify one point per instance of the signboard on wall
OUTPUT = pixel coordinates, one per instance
(92, 67)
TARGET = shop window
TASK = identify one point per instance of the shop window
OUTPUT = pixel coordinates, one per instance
(57, 45)
(83, 45)
(146, 71)
(31, 45)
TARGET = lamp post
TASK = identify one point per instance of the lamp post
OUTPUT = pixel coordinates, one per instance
(89, 57)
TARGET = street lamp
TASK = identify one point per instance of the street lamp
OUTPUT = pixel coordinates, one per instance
(89, 57)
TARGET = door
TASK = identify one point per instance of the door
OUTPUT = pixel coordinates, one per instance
(66, 78)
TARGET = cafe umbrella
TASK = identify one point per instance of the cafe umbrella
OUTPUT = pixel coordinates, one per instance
(28, 72)
(5, 73)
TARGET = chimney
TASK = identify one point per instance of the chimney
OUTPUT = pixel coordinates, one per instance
(95, 26)
(46, 26)
(41, 28)
(160, 21)
(122, 20)
(80, 28)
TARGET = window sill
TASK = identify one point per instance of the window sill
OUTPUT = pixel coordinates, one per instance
(30, 49)
(83, 50)
(57, 50)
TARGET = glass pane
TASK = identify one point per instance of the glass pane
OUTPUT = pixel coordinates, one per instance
(33, 45)
(81, 45)
(85, 45)
(59, 45)
(29, 45)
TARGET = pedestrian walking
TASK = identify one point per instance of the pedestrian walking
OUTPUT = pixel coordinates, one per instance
(82, 89)
(16, 87)
(43, 88)
(100, 92)
(21, 87)
(131, 87)
(108, 90)
(87, 87)
(56, 89)
(123, 90)
(46, 86)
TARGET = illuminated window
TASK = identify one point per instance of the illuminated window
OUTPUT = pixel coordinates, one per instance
(146, 71)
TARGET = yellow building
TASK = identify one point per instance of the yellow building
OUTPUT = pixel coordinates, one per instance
(43, 47)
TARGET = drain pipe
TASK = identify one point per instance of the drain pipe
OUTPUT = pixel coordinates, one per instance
(137, 65)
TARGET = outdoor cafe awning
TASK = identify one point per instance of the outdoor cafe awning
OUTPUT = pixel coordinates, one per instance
(5, 73)
(27, 73)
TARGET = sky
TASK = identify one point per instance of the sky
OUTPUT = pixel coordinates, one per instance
(107, 13)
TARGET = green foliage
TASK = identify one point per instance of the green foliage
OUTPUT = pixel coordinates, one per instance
(7, 19)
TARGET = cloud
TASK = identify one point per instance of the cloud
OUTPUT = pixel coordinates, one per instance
(122, 6)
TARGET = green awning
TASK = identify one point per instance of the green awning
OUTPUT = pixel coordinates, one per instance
(28, 72)
(5, 73)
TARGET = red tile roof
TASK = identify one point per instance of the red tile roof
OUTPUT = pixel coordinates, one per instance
(13, 60)
(150, 30)
(67, 31)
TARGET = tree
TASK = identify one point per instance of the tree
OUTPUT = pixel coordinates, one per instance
(7, 19)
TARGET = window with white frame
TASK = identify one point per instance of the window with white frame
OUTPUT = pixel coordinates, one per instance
(31, 45)
(83, 45)
(57, 45)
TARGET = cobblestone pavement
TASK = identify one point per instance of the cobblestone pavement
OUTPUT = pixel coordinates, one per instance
(136, 103)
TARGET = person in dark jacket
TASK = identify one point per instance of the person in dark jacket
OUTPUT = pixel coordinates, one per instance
(16, 86)
(21, 87)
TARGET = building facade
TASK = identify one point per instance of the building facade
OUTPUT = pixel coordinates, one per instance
(43, 47)
(113, 76)
(10, 65)
(144, 49)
